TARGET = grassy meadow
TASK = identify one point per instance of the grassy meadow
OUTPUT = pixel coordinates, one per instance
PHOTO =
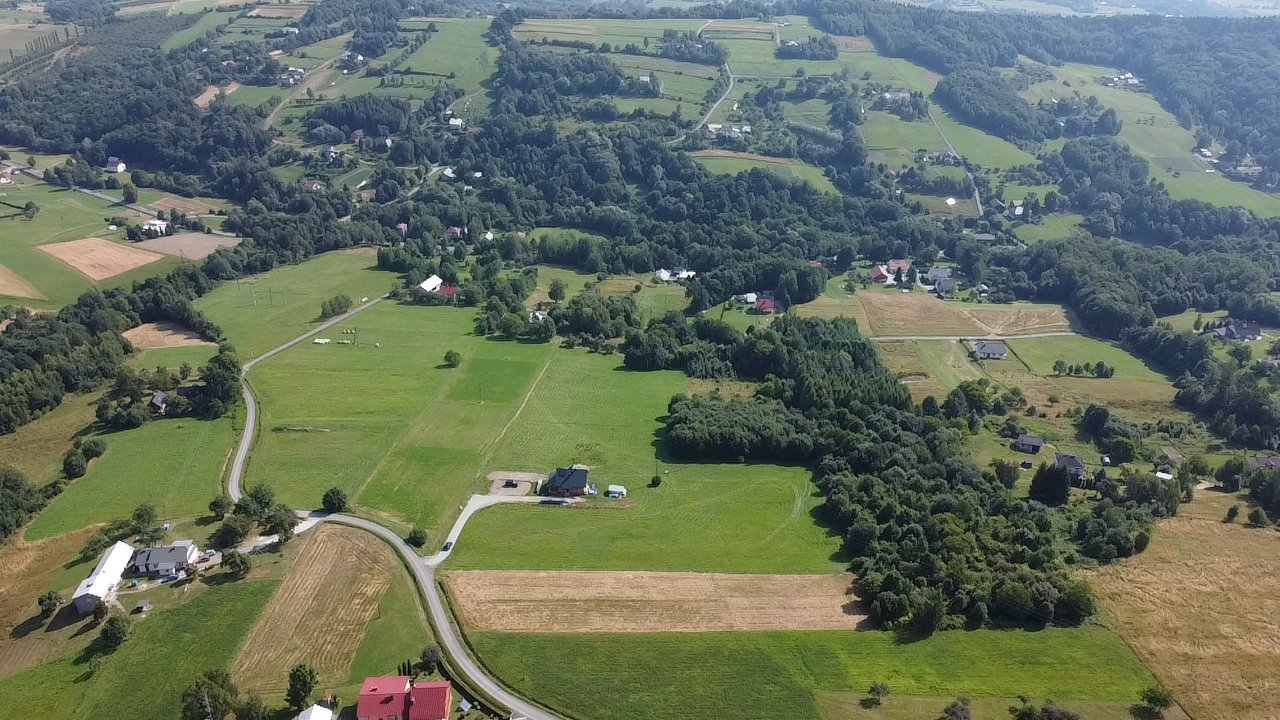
(781, 675)
(724, 162)
(1152, 132)
(169, 650)
(260, 312)
(64, 215)
(175, 464)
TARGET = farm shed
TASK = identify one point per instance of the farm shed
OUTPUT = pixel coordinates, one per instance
(101, 584)
(615, 491)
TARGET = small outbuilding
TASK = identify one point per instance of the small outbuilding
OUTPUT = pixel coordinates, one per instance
(159, 401)
(615, 491)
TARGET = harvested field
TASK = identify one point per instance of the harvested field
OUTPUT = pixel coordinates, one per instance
(192, 246)
(891, 314)
(591, 602)
(162, 335)
(13, 285)
(99, 259)
(26, 570)
(339, 577)
(189, 206)
(279, 11)
(206, 98)
(1199, 607)
(861, 43)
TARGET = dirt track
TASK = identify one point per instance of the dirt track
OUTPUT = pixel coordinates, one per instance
(566, 601)
(99, 259)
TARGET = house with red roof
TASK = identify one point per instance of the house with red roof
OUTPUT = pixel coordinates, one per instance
(430, 700)
(896, 265)
(448, 291)
(766, 305)
(397, 697)
(880, 273)
(384, 698)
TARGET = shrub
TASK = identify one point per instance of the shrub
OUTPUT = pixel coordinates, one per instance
(1258, 517)
(417, 537)
(49, 604)
(73, 464)
(1157, 698)
(93, 448)
(115, 631)
(452, 359)
(1233, 513)
(334, 500)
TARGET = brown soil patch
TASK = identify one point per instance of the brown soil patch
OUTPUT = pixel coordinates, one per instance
(162, 335)
(725, 388)
(26, 571)
(1018, 320)
(319, 615)
(206, 98)
(918, 314)
(13, 285)
(279, 11)
(191, 246)
(859, 44)
(186, 206)
(99, 259)
(557, 601)
(1200, 607)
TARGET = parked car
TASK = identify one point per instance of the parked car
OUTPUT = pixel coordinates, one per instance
(510, 484)
(447, 547)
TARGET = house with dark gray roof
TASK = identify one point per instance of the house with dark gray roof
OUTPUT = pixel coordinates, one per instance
(989, 349)
(1073, 464)
(166, 558)
(1028, 443)
(567, 482)
(945, 287)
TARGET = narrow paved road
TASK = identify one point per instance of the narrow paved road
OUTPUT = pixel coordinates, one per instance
(423, 570)
(707, 118)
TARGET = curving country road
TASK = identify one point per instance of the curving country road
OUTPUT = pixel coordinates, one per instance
(423, 570)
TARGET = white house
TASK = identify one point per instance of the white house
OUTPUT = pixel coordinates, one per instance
(114, 165)
(615, 491)
(457, 123)
(316, 712)
(685, 274)
(663, 274)
(101, 584)
(746, 298)
(432, 284)
(166, 558)
(156, 225)
(449, 174)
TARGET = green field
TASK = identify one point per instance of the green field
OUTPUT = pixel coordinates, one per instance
(255, 95)
(175, 465)
(458, 49)
(758, 518)
(764, 676)
(979, 147)
(146, 677)
(1152, 132)
(895, 141)
(64, 215)
(197, 30)
(259, 312)
(1040, 354)
(1054, 227)
(411, 434)
(723, 163)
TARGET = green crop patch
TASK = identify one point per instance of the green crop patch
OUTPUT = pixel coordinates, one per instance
(776, 675)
